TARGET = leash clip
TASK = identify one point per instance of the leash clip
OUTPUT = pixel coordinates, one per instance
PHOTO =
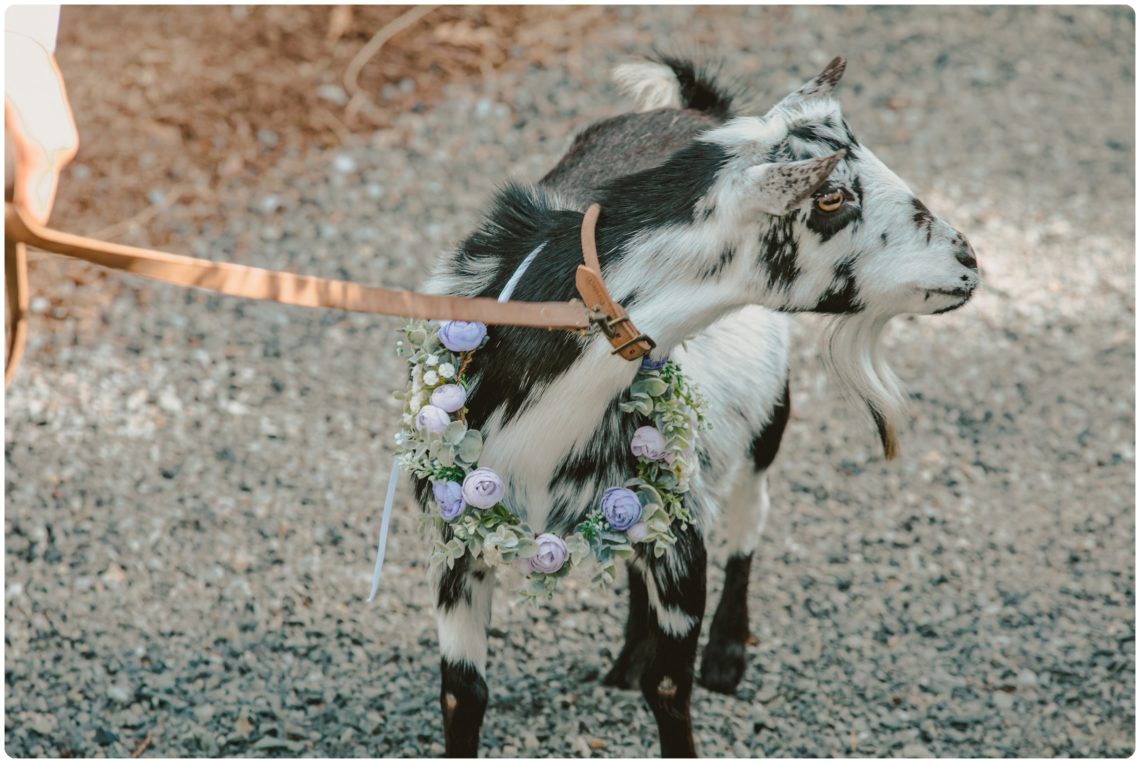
(601, 322)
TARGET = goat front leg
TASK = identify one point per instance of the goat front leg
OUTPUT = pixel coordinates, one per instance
(627, 669)
(675, 587)
(463, 612)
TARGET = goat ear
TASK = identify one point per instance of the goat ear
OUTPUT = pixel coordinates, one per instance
(780, 187)
(822, 85)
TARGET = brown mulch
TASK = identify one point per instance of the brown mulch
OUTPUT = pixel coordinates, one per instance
(173, 103)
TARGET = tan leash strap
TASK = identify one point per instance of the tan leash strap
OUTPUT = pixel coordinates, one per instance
(291, 288)
(16, 300)
(611, 317)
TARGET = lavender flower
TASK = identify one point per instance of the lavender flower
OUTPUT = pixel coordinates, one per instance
(432, 419)
(462, 336)
(449, 497)
(621, 507)
(637, 533)
(649, 443)
(483, 488)
(649, 364)
(449, 397)
(552, 554)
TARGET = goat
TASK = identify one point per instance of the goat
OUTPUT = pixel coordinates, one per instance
(714, 227)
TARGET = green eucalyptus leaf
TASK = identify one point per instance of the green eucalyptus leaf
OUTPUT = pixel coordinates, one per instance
(470, 446)
(454, 433)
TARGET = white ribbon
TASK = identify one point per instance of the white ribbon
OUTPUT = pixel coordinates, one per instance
(390, 498)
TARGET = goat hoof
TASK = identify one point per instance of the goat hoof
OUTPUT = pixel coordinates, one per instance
(722, 666)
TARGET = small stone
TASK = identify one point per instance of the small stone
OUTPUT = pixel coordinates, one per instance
(120, 694)
(267, 137)
(333, 94)
(597, 744)
(1002, 700)
(1026, 679)
(104, 737)
(242, 725)
(42, 723)
(436, 748)
(115, 576)
(344, 164)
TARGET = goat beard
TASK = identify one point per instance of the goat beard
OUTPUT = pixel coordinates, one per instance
(855, 358)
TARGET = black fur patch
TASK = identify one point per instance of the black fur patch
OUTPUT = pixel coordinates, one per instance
(604, 454)
(453, 586)
(699, 88)
(664, 195)
(923, 218)
(843, 295)
(813, 134)
(622, 145)
(714, 270)
(766, 444)
(778, 252)
(677, 585)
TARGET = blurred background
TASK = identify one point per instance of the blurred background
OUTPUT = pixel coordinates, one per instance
(194, 482)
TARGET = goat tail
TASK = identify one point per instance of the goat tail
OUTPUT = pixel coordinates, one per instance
(855, 358)
(674, 82)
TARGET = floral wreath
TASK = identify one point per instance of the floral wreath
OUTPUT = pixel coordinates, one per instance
(435, 443)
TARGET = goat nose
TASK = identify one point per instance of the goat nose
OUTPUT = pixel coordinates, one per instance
(965, 255)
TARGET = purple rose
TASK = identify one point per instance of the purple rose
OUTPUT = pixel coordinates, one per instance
(648, 443)
(462, 336)
(552, 554)
(449, 497)
(483, 488)
(649, 364)
(637, 533)
(449, 397)
(621, 507)
(432, 419)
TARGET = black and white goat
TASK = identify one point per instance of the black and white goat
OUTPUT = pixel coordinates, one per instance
(712, 225)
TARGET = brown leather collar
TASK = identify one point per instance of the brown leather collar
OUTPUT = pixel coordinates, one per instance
(598, 311)
(610, 317)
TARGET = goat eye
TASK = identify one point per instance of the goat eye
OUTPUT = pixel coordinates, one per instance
(830, 202)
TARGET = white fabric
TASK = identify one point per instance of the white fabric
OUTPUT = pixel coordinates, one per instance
(40, 22)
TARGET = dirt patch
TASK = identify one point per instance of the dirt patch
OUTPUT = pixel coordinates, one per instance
(173, 103)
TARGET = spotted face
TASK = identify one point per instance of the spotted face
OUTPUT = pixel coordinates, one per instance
(840, 232)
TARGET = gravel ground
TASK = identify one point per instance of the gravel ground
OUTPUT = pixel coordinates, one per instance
(194, 482)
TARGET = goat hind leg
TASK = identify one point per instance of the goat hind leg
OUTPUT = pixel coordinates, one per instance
(724, 658)
(630, 662)
(463, 612)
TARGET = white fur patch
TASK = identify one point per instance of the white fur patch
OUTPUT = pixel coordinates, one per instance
(673, 621)
(557, 420)
(745, 514)
(652, 85)
(463, 629)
